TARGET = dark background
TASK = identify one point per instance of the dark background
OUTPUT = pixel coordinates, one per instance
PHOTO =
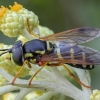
(61, 15)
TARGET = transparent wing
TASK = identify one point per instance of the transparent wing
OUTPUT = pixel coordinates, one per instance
(76, 36)
(73, 54)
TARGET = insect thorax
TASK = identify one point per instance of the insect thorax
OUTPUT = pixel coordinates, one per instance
(33, 50)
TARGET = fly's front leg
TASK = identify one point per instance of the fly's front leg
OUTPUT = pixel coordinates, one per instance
(25, 62)
(37, 73)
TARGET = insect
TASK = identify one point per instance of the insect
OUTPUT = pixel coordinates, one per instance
(63, 50)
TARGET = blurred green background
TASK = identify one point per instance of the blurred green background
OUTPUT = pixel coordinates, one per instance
(61, 15)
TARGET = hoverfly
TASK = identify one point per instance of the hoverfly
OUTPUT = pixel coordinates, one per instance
(63, 50)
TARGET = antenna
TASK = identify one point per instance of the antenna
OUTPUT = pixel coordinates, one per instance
(7, 50)
(3, 49)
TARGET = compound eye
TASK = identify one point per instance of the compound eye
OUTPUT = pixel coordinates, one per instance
(18, 56)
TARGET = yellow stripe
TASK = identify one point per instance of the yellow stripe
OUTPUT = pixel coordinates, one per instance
(33, 61)
(72, 53)
(84, 66)
(48, 46)
(28, 55)
(40, 52)
(59, 54)
(58, 51)
(83, 56)
(91, 66)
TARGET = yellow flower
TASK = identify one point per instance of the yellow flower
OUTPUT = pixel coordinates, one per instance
(34, 95)
(30, 96)
(2, 11)
(95, 95)
(22, 38)
(5, 59)
(9, 96)
(17, 21)
(2, 80)
(16, 7)
(30, 19)
(44, 31)
(11, 23)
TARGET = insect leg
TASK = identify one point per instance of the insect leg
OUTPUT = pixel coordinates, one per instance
(36, 35)
(75, 77)
(36, 73)
(27, 20)
(25, 62)
(59, 64)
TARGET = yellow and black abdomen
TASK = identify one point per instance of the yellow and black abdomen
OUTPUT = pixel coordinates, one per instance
(74, 53)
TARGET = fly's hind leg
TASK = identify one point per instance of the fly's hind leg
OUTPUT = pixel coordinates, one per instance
(25, 62)
(71, 74)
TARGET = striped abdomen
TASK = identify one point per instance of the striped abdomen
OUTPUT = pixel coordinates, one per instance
(75, 52)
